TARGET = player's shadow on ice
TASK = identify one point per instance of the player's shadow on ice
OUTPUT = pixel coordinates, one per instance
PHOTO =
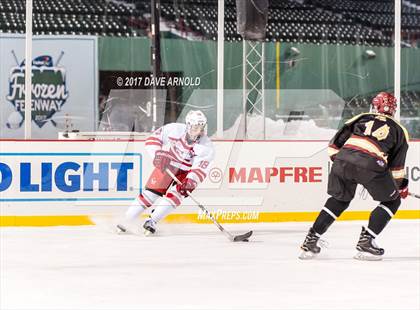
(280, 231)
(402, 259)
(384, 260)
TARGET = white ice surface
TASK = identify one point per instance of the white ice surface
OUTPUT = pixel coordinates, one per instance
(195, 267)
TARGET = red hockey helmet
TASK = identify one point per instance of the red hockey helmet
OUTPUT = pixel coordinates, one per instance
(385, 103)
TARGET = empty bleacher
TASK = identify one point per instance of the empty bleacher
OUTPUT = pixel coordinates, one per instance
(77, 17)
(311, 21)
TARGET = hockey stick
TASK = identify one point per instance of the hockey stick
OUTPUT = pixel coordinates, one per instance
(414, 195)
(231, 237)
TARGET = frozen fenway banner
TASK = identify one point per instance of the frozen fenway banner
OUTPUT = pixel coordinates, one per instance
(64, 90)
(254, 181)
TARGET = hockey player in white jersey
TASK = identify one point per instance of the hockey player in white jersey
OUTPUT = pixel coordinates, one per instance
(187, 152)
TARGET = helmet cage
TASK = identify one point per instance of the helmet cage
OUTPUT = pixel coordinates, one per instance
(196, 123)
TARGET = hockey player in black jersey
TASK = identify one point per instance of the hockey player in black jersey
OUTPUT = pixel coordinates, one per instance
(370, 149)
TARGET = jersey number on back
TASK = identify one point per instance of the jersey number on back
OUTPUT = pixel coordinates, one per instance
(381, 133)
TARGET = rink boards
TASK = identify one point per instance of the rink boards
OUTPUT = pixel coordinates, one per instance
(69, 182)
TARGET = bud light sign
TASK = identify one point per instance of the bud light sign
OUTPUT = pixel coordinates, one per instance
(69, 176)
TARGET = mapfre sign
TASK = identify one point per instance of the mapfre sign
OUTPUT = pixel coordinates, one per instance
(275, 174)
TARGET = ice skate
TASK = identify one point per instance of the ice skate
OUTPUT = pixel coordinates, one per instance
(309, 246)
(367, 248)
(149, 227)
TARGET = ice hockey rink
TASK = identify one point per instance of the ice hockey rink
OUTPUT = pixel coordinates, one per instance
(196, 267)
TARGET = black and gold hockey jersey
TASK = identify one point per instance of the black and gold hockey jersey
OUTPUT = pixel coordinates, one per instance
(372, 141)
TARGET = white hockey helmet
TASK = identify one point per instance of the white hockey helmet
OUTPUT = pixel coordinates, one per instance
(196, 124)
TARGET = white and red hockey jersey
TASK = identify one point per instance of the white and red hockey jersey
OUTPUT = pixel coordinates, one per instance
(194, 158)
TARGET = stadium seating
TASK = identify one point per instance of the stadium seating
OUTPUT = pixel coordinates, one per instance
(92, 17)
(312, 21)
(304, 21)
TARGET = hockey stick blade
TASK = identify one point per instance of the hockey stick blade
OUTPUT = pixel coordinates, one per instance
(414, 195)
(243, 237)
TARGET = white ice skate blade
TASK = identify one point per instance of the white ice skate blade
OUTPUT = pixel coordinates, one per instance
(323, 243)
(367, 256)
(148, 233)
(307, 255)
